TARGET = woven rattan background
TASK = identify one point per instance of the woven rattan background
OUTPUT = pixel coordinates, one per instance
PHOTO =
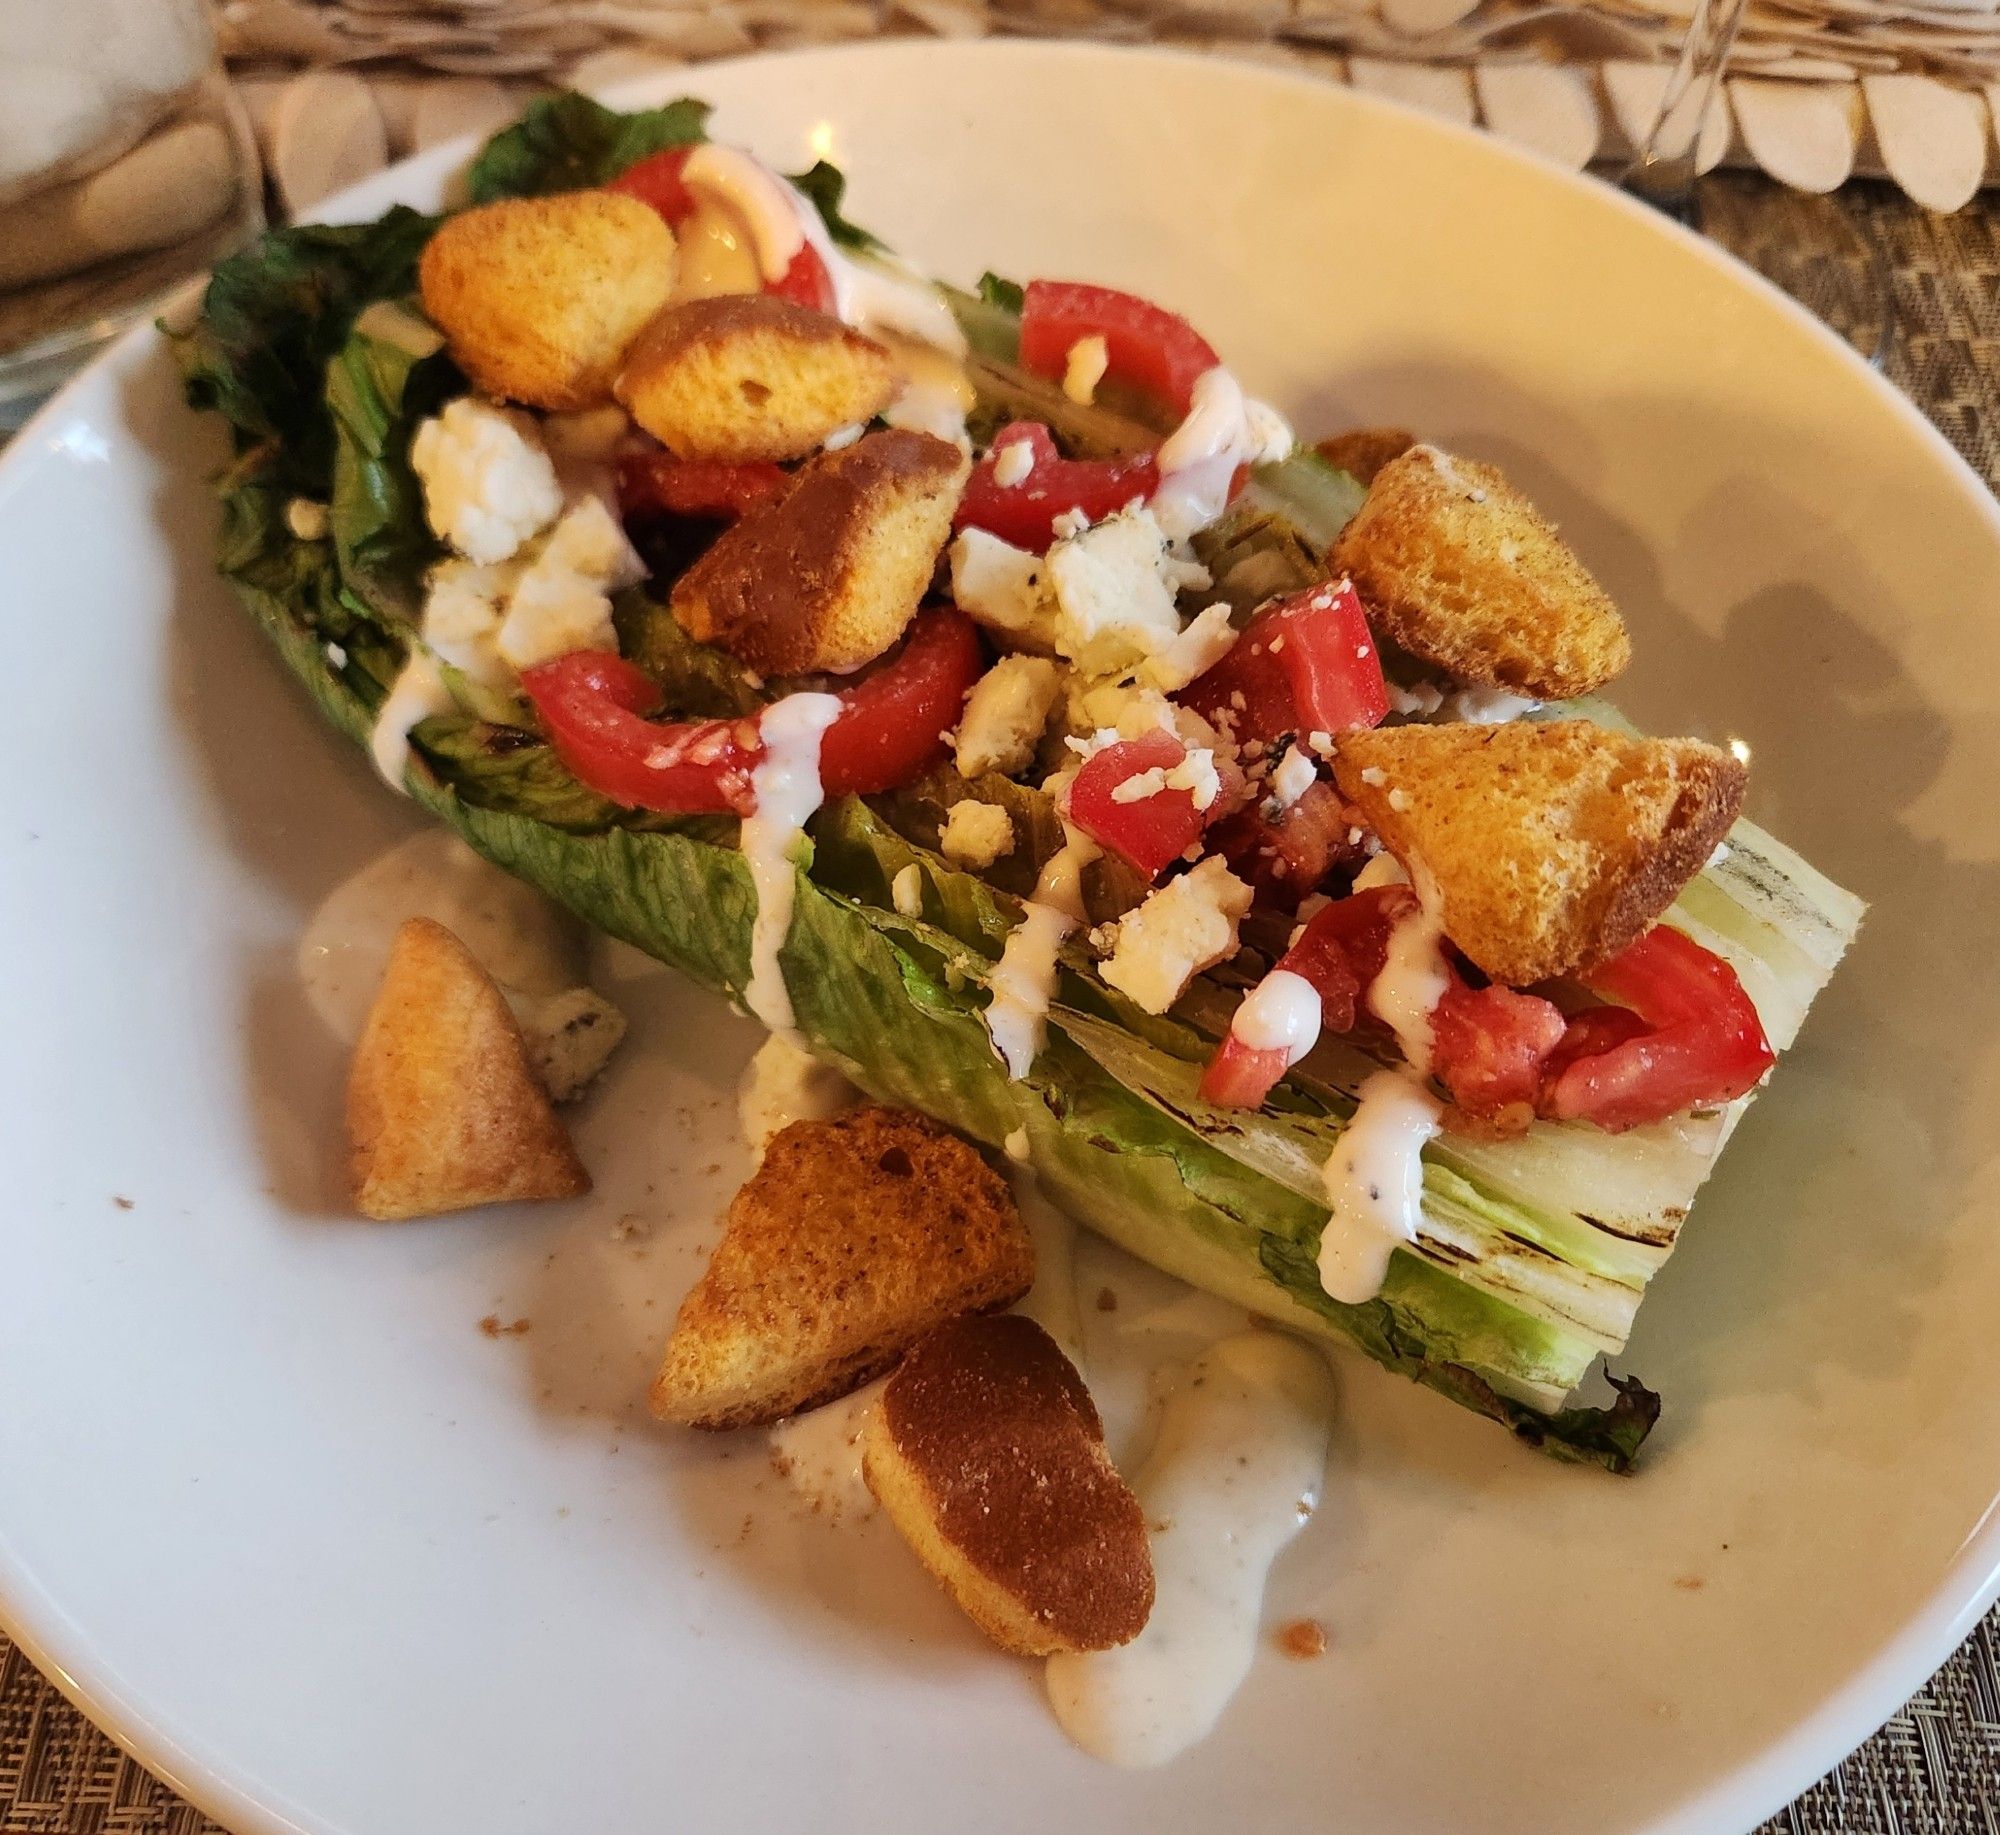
(1935, 1768)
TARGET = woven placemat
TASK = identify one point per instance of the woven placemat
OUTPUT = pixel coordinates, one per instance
(1935, 1768)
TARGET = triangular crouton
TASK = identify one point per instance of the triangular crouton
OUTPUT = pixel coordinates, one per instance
(749, 376)
(827, 575)
(1553, 844)
(1459, 569)
(988, 1456)
(443, 1109)
(854, 1238)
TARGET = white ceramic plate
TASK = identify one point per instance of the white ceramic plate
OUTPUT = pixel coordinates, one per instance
(273, 1509)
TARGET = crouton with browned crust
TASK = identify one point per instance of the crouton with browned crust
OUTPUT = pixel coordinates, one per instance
(987, 1454)
(540, 298)
(828, 575)
(1552, 844)
(444, 1110)
(749, 376)
(1456, 567)
(854, 1237)
(1361, 452)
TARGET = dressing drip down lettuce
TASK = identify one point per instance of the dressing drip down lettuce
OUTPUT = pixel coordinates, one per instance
(1534, 1252)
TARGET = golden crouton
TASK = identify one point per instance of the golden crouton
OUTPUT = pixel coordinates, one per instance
(853, 1238)
(539, 298)
(1363, 451)
(1458, 568)
(827, 575)
(988, 1456)
(748, 376)
(443, 1109)
(1553, 844)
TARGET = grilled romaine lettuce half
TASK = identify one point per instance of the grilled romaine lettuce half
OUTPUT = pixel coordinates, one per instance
(1534, 1252)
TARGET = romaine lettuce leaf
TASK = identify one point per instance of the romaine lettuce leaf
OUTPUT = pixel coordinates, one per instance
(567, 142)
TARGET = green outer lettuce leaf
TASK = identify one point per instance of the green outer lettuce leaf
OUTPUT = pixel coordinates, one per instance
(568, 142)
(273, 317)
(825, 185)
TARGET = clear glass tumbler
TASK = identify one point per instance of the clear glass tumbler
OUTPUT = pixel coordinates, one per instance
(125, 165)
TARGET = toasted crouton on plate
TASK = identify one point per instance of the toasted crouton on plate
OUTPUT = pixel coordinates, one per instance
(444, 1110)
(829, 574)
(1362, 451)
(749, 376)
(854, 1237)
(540, 298)
(1459, 569)
(987, 1454)
(1553, 844)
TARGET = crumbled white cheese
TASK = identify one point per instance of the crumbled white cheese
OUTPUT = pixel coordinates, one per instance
(1088, 359)
(562, 601)
(844, 436)
(1003, 589)
(1012, 463)
(1293, 776)
(1203, 644)
(1140, 785)
(1114, 607)
(1197, 775)
(1188, 925)
(1487, 706)
(1420, 698)
(307, 519)
(1399, 799)
(906, 891)
(488, 483)
(1005, 715)
(1016, 1144)
(1109, 711)
(1721, 853)
(976, 834)
(461, 620)
(1382, 870)
(1069, 523)
(336, 654)
(1373, 775)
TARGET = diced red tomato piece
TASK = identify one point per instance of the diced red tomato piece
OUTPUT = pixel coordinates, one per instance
(1145, 345)
(1240, 1076)
(806, 282)
(1703, 1045)
(1025, 513)
(1340, 951)
(1590, 1032)
(591, 705)
(656, 180)
(1305, 665)
(1488, 1047)
(1150, 831)
(659, 482)
(899, 712)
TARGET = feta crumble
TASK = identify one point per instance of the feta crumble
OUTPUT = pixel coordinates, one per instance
(976, 834)
(1290, 780)
(562, 601)
(489, 485)
(906, 891)
(1114, 607)
(1204, 643)
(1005, 715)
(1012, 464)
(1001, 588)
(1188, 925)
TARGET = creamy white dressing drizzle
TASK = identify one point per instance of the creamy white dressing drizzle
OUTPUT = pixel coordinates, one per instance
(1282, 1012)
(784, 1083)
(527, 943)
(1025, 976)
(936, 395)
(1375, 1184)
(786, 789)
(819, 1454)
(417, 693)
(1414, 977)
(767, 207)
(1223, 429)
(1235, 1471)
